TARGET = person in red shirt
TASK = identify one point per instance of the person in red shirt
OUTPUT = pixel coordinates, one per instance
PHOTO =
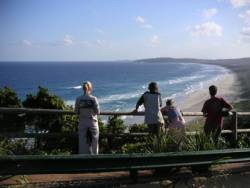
(212, 110)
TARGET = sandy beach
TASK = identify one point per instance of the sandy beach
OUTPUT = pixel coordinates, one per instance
(228, 87)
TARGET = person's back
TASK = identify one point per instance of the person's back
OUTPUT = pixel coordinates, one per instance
(212, 110)
(176, 126)
(174, 115)
(152, 104)
(87, 107)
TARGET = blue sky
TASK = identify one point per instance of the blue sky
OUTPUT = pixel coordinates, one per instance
(83, 30)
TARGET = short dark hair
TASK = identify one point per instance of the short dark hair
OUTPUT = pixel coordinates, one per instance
(153, 87)
(213, 90)
(170, 102)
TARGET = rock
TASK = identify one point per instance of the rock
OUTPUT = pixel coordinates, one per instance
(197, 182)
(167, 184)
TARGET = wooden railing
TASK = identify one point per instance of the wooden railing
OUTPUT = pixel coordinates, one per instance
(61, 164)
(37, 164)
(23, 111)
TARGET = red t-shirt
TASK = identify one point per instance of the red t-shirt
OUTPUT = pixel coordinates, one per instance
(212, 109)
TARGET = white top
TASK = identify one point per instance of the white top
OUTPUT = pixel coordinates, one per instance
(87, 107)
(152, 102)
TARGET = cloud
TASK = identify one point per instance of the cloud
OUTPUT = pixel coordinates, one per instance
(209, 13)
(99, 31)
(143, 23)
(67, 40)
(140, 19)
(207, 29)
(244, 39)
(155, 40)
(101, 43)
(245, 31)
(147, 26)
(239, 3)
(245, 16)
(26, 42)
(245, 35)
(86, 44)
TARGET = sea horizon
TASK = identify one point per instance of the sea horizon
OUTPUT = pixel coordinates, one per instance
(117, 86)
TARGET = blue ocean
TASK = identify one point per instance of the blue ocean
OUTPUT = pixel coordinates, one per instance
(117, 85)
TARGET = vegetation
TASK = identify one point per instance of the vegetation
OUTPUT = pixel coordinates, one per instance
(115, 125)
(11, 147)
(10, 122)
(138, 128)
(201, 142)
(43, 99)
(243, 122)
(110, 134)
(138, 147)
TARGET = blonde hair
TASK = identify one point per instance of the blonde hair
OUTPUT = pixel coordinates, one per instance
(87, 87)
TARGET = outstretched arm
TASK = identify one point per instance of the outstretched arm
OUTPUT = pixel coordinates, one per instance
(181, 118)
(226, 104)
(139, 103)
(204, 109)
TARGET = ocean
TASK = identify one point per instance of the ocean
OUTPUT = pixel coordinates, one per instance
(117, 85)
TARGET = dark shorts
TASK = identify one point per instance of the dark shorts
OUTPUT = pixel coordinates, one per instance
(215, 131)
(154, 128)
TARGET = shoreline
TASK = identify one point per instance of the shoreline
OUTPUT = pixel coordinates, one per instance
(239, 66)
(225, 84)
(228, 88)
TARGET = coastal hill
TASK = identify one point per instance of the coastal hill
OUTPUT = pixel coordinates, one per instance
(194, 60)
(241, 67)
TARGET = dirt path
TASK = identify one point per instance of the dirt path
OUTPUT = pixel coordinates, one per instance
(228, 175)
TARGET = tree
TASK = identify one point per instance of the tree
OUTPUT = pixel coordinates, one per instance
(51, 123)
(43, 99)
(115, 125)
(10, 122)
(138, 128)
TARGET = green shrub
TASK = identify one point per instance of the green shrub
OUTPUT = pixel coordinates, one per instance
(138, 128)
(200, 141)
(103, 129)
(14, 147)
(135, 148)
(43, 99)
(170, 142)
(10, 122)
(115, 125)
(163, 143)
(243, 141)
(8, 98)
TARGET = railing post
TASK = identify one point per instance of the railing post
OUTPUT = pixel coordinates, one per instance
(234, 138)
(134, 175)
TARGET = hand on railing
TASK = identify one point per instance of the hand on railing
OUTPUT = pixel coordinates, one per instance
(135, 111)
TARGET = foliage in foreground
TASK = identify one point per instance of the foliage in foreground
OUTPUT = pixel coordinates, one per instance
(170, 143)
(138, 128)
(110, 144)
(10, 122)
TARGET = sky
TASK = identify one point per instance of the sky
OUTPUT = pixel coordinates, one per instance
(96, 30)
